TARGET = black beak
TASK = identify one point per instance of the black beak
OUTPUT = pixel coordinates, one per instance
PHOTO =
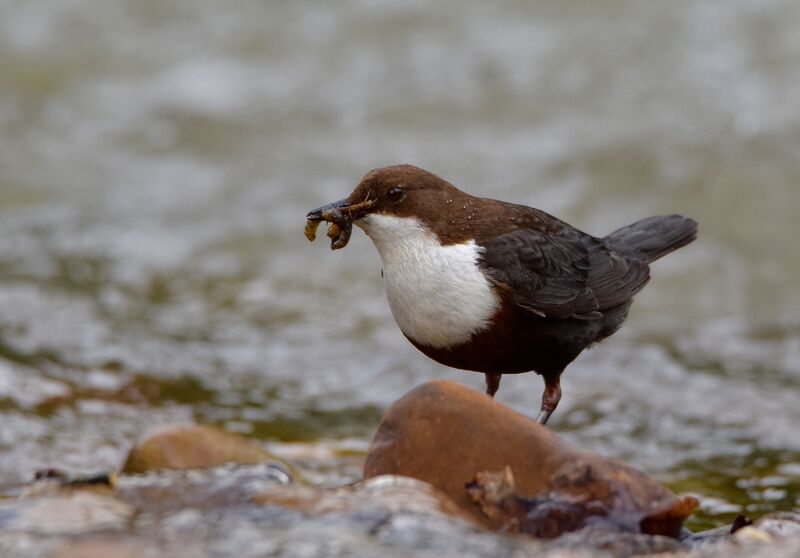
(333, 211)
(328, 212)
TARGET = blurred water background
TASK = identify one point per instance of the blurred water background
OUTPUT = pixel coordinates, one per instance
(157, 160)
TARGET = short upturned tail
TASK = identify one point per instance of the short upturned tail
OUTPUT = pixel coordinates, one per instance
(653, 237)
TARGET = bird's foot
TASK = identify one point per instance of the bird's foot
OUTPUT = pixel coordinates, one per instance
(550, 399)
(543, 417)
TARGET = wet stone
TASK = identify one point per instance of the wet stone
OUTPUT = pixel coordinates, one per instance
(170, 490)
(381, 495)
(778, 548)
(68, 513)
(253, 511)
(511, 473)
(779, 524)
(106, 547)
(616, 543)
(444, 434)
(192, 446)
(709, 537)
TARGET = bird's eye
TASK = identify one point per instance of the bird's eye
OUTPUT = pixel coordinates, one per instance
(396, 194)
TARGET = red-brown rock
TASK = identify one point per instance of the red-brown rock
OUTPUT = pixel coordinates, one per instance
(446, 434)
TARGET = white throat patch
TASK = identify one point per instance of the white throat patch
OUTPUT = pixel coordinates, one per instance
(438, 295)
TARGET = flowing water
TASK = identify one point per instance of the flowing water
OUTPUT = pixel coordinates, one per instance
(157, 160)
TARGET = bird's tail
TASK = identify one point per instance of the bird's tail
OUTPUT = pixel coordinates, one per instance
(653, 237)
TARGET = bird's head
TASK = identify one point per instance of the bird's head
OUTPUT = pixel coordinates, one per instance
(401, 191)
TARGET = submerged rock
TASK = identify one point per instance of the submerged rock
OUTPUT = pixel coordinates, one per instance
(192, 446)
(244, 511)
(446, 434)
(778, 524)
(434, 441)
(775, 535)
(200, 489)
(387, 493)
(65, 513)
(107, 547)
(583, 492)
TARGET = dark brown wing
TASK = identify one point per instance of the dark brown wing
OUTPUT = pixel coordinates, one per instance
(552, 269)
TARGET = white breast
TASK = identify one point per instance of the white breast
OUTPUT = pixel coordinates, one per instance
(438, 295)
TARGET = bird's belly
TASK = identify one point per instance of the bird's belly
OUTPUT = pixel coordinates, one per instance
(518, 342)
(440, 298)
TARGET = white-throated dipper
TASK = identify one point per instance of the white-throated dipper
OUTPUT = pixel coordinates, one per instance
(494, 287)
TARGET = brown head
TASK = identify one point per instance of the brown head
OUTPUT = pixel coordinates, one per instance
(401, 191)
(404, 190)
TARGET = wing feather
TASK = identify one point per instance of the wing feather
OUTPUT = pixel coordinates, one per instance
(561, 272)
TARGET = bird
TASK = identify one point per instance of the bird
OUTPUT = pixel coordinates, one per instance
(495, 287)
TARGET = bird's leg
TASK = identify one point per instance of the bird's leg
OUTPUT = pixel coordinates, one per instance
(492, 383)
(550, 398)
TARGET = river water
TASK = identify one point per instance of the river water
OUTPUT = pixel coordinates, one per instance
(157, 160)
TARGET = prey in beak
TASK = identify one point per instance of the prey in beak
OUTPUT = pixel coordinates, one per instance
(340, 215)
